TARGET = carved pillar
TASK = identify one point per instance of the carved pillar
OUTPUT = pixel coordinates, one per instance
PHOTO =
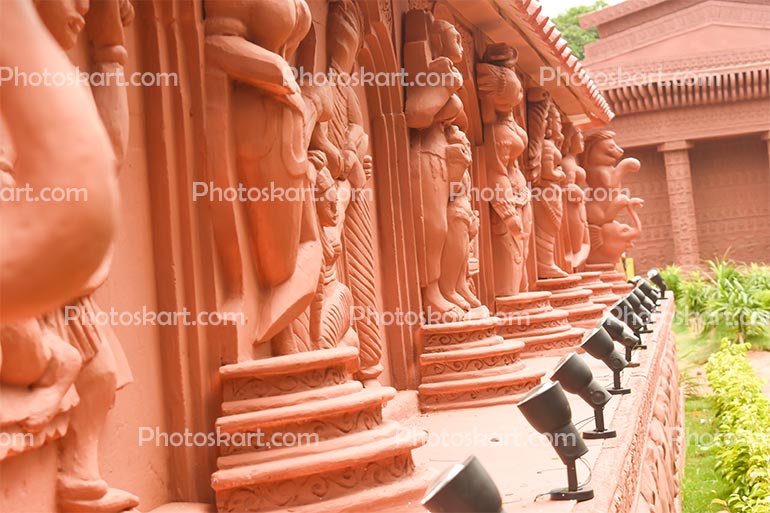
(680, 196)
(766, 138)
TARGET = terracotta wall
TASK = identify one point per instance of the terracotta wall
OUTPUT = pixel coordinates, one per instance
(731, 187)
(731, 184)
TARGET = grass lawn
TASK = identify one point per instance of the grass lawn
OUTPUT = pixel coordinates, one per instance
(702, 483)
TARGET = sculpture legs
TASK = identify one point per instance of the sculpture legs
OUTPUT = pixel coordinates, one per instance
(454, 263)
(80, 485)
(548, 213)
(509, 264)
(43, 362)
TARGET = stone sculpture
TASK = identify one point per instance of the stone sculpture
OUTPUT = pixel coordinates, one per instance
(309, 269)
(500, 92)
(346, 144)
(434, 114)
(462, 225)
(60, 363)
(578, 240)
(330, 313)
(45, 263)
(604, 175)
(544, 166)
(260, 103)
(104, 369)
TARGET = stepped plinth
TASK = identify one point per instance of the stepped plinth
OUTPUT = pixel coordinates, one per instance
(601, 291)
(610, 274)
(568, 294)
(468, 363)
(297, 432)
(531, 319)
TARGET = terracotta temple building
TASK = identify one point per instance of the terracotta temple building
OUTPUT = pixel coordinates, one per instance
(689, 82)
(286, 245)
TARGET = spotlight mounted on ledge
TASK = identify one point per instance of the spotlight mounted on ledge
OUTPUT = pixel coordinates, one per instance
(599, 344)
(464, 488)
(575, 377)
(657, 278)
(648, 303)
(623, 334)
(639, 308)
(547, 409)
(625, 313)
(647, 288)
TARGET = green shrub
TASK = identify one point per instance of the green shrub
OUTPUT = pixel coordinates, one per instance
(672, 275)
(742, 442)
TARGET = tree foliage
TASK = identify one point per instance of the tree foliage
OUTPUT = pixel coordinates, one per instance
(570, 29)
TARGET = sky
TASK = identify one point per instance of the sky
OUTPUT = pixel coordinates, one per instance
(555, 7)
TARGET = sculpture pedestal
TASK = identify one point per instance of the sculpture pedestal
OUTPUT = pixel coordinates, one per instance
(468, 363)
(301, 432)
(610, 274)
(569, 294)
(530, 318)
(603, 292)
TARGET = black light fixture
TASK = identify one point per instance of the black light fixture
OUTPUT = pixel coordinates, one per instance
(623, 334)
(638, 307)
(647, 288)
(575, 377)
(648, 303)
(625, 312)
(599, 344)
(657, 278)
(547, 409)
(464, 488)
(639, 310)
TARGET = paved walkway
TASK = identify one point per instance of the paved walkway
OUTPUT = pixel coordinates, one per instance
(760, 360)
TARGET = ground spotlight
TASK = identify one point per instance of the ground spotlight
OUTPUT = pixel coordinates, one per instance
(647, 288)
(547, 410)
(657, 278)
(639, 309)
(648, 303)
(575, 377)
(599, 344)
(464, 488)
(625, 312)
(623, 334)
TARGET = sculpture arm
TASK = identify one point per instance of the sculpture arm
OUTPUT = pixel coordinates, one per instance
(48, 250)
(254, 65)
(104, 24)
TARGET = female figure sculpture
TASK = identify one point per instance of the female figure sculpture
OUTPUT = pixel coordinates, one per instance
(433, 46)
(504, 141)
(575, 220)
(257, 108)
(544, 162)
